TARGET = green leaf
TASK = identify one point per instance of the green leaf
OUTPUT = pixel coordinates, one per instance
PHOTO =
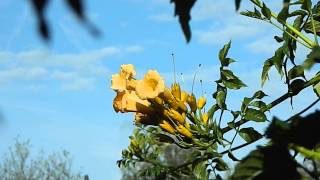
(249, 167)
(312, 58)
(221, 98)
(308, 28)
(308, 153)
(223, 54)
(283, 15)
(259, 94)
(200, 170)
(298, 22)
(212, 110)
(251, 14)
(255, 115)
(249, 134)
(298, 12)
(258, 104)
(232, 157)
(220, 165)
(266, 11)
(316, 89)
(266, 67)
(235, 114)
(234, 83)
(297, 71)
(306, 5)
(277, 60)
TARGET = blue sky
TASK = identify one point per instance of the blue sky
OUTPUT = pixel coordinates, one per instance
(58, 95)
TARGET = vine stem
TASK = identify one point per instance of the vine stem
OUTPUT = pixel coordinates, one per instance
(292, 36)
(289, 26)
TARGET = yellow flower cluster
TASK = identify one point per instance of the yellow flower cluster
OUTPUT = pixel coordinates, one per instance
(153, 103)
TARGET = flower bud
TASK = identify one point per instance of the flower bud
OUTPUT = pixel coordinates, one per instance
(205, 118)
(191, 100)
(167, 127)
(184, 131)
(174, 115)
(176, 91)
(201, 102)
(184, 96)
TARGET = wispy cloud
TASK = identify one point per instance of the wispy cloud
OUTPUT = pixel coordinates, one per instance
(266, 45)
(73, 71)
(162, 17)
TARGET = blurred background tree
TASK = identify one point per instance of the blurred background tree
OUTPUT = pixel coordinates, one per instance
(19, 164)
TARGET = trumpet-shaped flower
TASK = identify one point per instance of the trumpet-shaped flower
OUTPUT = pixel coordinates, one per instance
(128, 71)
(151, 86)
(128, 101)
(124, 80)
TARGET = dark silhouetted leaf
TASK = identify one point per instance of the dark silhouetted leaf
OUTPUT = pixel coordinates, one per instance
(182, 9)
(77, 7)
(249, 134)
(278, 39)
(267, 163)
(237, 3)
(39, 7)
(283, 15)
(232, 157)
(266, 11)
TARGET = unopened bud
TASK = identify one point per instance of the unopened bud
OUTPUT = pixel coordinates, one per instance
(167, 127)
(205, 118)
(192, 102)
(184, 131)
(201, 102)
(176, 91)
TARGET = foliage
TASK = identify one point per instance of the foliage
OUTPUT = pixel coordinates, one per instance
(169, 115)
(19, 164)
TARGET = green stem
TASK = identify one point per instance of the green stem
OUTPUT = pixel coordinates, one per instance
(313, 27)
(287, 25)
(292, 36)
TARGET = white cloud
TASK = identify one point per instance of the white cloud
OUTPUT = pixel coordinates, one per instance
(79, 84)
(228, 31)
(22, 73)
(265, 45)
(134, 49)
(163, 17)
(73, 71)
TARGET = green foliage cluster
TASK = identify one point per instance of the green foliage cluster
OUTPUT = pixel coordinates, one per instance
(209, 145)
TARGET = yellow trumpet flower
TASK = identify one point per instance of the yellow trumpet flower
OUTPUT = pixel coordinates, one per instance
(128, 101)
(151, 86)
